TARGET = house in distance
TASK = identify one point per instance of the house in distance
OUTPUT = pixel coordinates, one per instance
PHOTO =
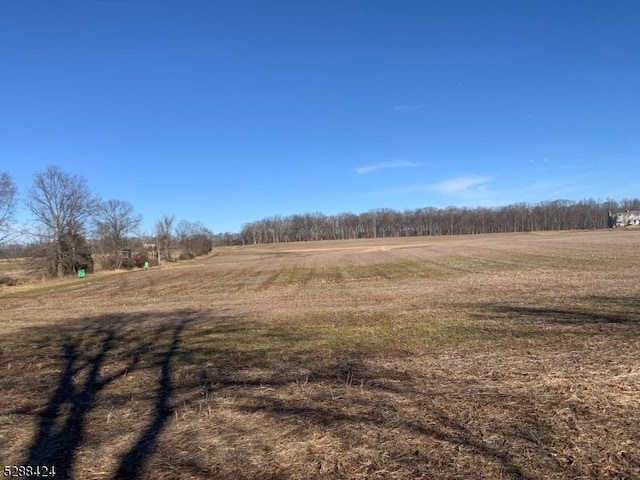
(623, 219)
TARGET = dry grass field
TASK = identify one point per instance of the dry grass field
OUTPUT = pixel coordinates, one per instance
(14, 271)
(478, 357)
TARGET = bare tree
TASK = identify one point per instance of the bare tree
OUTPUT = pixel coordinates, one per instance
(8, 193)
(518, 217)
(183, 234)
(62, 203)
(164, 233)
(194, 238)
(115, 220)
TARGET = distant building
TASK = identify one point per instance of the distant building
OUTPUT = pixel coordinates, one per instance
(623, 219)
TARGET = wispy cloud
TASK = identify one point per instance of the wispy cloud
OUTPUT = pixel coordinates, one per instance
(459, 184)
(383, 165)
(407, 108)
(462, 190)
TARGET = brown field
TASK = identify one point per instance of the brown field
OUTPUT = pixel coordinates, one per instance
(477, 357)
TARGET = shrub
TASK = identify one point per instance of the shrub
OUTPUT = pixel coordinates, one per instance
(127, 263)
(108, 262)
(8, 281)
(139, 258)
(186, 256)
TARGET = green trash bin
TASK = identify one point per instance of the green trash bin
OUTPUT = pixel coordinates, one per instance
(82, 273)
(146, 264)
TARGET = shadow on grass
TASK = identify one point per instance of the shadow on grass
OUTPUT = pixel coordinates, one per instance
(585, 311)
(230, 357)
(133, 461)
(437, 426)
(431, 418)
(89, 349)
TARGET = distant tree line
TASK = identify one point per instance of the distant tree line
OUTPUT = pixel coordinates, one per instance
(519, 217)
(73, 228)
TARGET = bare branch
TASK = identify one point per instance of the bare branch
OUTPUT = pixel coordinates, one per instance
(62, 203)
(115, 220)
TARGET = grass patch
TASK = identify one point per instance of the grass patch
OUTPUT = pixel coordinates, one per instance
(62, 285)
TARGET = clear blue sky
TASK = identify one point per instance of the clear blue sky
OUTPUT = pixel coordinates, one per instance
(231, 111)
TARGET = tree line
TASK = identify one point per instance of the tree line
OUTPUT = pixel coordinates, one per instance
(519, 217)
(73, 228)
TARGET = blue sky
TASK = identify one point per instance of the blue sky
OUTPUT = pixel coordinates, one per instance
(231, 111)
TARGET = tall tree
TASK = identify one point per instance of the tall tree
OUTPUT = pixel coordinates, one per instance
(164, 233)
(194, 238)
(8, 193)
(115, 220)
(62, 203)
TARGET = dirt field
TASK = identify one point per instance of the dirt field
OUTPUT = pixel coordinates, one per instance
(478, 357)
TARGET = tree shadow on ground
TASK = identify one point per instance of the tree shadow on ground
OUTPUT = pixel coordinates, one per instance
(134, 460)
(416, 439)
(431, 418)
(451, 424)
(584, 311)
(89, 350)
